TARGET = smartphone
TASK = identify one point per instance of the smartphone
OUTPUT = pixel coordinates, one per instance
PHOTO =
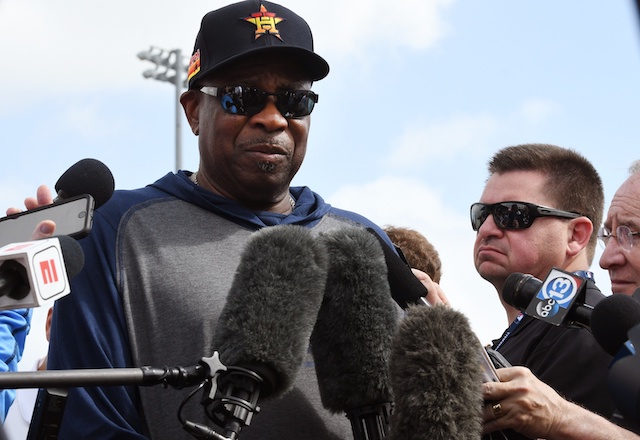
(73, 217)
(488, 369)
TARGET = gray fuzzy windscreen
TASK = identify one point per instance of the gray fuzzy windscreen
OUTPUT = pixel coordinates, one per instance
(436, 377)
(351, 342)
(273, 304)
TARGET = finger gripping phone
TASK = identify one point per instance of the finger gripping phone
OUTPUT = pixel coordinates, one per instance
(72, 216)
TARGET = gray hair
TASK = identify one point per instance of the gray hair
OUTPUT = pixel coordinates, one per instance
(635, 167)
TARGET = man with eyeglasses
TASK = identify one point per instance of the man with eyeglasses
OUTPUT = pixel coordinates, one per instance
(538, 211)
(160, 260)
(621, 256)
(536, 409)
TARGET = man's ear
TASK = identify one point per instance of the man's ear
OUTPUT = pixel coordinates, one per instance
(580, 234)
(191, 103)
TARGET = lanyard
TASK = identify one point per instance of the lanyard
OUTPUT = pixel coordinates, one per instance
(584, 274)
(510, 330)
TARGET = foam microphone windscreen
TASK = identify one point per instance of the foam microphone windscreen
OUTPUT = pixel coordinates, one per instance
(87, 176)
(272, 305)
(611, 320)
(351, 341)
(519, 289)
(435, 377)
(73, 255)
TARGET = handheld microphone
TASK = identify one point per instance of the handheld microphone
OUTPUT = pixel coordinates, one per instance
(263, 331)
(615, 324)
(87, 176)
(611, 320)
(562, 298)
(351, 341)
(435, 378)
(35, 273)
(624, 386)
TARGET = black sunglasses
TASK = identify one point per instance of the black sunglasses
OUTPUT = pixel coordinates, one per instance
(514, 215)
(248, 101)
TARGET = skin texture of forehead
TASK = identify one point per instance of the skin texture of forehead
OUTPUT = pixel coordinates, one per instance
(517, 185)
(625, 204)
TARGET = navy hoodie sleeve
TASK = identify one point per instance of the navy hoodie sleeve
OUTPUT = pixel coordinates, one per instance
(92, 316)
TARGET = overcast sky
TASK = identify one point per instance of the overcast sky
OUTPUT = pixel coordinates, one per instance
(421, 93)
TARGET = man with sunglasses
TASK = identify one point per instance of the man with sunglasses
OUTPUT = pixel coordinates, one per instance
(535, 409)
(160, 260)
(538, 211)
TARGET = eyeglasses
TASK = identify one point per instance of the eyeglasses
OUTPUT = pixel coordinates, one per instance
(248, 101)
(623, 234)
(514, 215)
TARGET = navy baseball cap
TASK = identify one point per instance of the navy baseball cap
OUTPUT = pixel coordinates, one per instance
(250, 27)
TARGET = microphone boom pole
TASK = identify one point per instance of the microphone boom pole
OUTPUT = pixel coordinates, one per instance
(177, 377)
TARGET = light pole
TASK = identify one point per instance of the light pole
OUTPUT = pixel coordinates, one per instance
(171, 68)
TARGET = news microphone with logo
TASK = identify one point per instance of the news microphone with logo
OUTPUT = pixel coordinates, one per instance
(563, 298)
(351, 341)
(87, 176)
(36, 273)
(435, 378)
(263, 331)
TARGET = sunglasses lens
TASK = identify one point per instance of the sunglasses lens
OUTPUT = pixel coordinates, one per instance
(296, 104)
(254, 100)
(231, 101)
(504, 216)
(512, 215)
(479, 213)
(239, 100)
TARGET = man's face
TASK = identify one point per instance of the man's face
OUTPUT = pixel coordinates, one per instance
(534, 250)
(249, 158)
(623, 265)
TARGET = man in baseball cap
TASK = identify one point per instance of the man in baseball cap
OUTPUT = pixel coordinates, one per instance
(162, 261)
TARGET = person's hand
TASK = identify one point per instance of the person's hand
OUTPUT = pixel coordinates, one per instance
(43, 197)
(45, 229)
(523, 403)
(435, 295)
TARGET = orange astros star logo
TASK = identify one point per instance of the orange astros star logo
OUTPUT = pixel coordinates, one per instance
(194, 65)
(265, 22)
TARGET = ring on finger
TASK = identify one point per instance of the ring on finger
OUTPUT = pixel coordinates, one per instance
(497, 410)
